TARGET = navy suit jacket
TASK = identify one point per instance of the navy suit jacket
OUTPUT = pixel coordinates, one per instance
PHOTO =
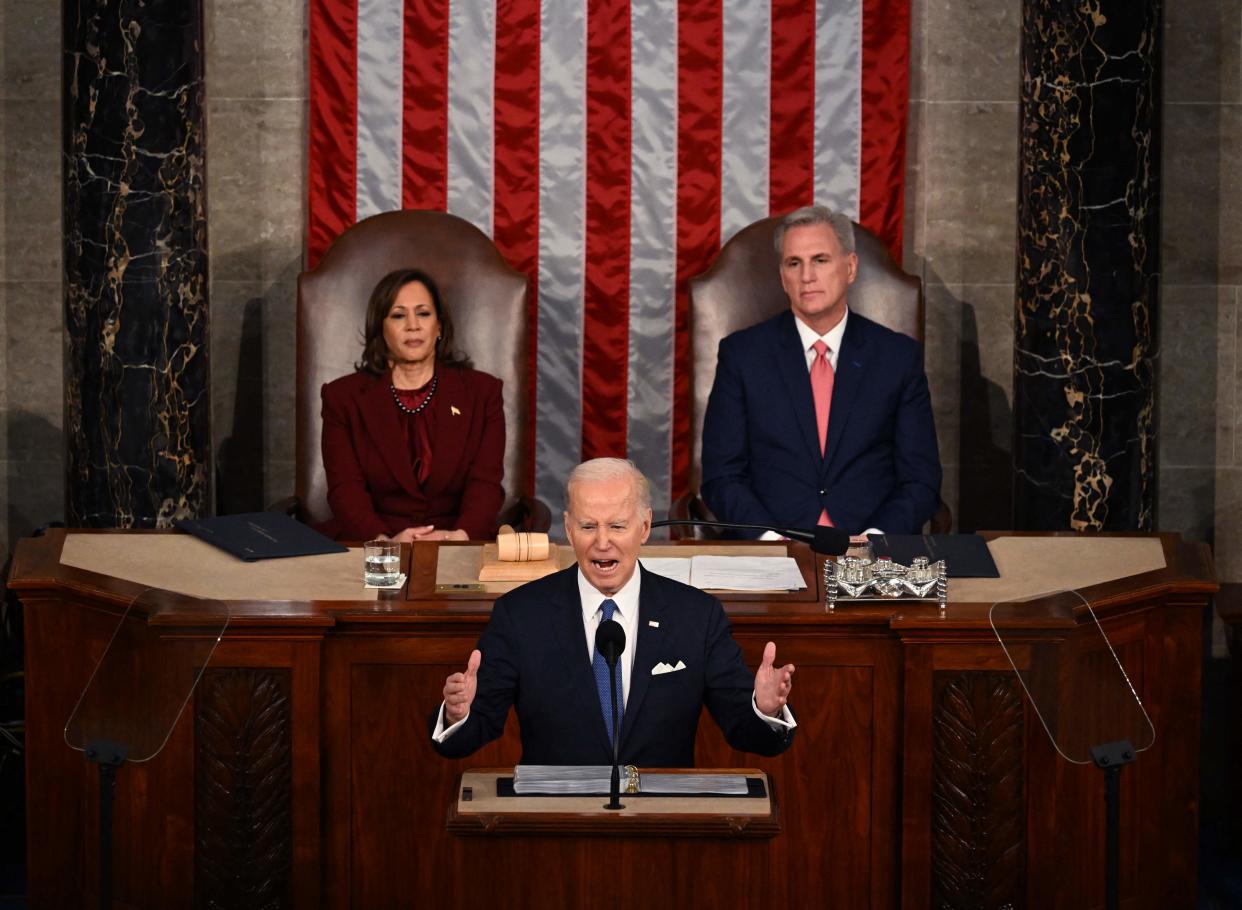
(535, 659)
(372, 487)
(761, 458)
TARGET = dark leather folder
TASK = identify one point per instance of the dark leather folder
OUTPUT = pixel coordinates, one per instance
(261, 535)
(965, 555)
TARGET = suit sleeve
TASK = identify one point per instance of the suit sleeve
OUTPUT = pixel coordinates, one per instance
(496, 692)
(916, 457)
(483, 494)
(348, 495)
(730, 687)
(726, 485)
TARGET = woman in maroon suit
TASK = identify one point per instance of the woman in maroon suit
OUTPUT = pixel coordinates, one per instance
(414, 440)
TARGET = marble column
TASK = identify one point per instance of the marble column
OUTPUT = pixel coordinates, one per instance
(137, 405)
(1088, 258)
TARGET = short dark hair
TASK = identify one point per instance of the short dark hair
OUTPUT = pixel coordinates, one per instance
(375, 348)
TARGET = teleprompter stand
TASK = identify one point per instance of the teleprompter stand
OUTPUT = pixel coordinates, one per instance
(1084, 699)
(137, 692)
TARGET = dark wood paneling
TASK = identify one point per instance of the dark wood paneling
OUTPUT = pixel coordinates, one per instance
(243, 812)
(978, 836)
(858, 791)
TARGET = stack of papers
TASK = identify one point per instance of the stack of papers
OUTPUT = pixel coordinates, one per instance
(586, 779)
(562, 778)
(730, 573)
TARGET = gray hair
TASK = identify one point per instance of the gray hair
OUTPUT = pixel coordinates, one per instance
(610, 469)
(817, 214)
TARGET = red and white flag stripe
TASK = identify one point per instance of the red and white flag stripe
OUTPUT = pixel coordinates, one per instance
(608, 148)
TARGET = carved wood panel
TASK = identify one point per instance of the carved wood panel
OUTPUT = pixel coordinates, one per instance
(978, 811)
(243, 837)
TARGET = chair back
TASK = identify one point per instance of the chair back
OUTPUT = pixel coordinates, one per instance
(487, 300)
(742, 287)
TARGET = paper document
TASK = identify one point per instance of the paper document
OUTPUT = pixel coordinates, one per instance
(746, 573)
(674, 567)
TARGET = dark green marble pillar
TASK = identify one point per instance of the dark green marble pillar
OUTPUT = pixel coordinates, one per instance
(137, 403)
(1088, 258)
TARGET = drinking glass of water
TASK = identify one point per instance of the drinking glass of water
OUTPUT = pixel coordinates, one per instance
(381, 563)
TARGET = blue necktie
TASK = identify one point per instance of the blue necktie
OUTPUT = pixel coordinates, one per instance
(600, 666)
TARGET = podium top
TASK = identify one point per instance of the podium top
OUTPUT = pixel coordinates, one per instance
(479, 810)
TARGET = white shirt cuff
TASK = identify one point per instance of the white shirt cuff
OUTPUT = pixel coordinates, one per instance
(784, 722)
(770, 535)
(870, 531)
(442, 733)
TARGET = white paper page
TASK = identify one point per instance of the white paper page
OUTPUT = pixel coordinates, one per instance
(674, 567)
(746, 573)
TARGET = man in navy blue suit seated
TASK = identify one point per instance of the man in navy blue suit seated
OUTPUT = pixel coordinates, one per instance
(537, 652)
(819, 415)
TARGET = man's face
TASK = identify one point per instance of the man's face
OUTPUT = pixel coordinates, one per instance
(815, 273)
(606, 527)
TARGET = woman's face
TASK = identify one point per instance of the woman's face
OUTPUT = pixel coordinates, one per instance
(411, 326)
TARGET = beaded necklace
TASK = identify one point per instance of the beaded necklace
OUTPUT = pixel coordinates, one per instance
(435, 381)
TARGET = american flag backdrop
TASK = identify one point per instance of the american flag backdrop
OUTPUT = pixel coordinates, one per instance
(608, 147)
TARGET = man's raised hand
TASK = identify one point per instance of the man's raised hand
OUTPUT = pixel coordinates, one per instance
(459, 690)
(772, 684)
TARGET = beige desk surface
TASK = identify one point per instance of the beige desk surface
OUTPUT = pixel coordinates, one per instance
(179, 562)
(1038, 565)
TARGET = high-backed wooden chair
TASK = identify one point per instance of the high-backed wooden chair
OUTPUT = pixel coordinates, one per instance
(743, 287)
(487, 300)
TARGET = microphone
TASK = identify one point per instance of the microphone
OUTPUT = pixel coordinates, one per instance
(824, 540)
(610, 643)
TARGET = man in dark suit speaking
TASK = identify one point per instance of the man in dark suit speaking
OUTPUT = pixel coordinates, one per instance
(537, 652)
(819, 415)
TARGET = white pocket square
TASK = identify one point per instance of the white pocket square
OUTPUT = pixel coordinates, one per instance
(662, 667)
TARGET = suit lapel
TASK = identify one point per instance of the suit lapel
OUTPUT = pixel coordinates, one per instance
(847, 384)
(448, 429)
(651, 607)
(572, 641)
(384, 424)
(791, 364)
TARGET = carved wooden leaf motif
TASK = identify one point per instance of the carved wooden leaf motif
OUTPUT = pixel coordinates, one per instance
(243, 826)
(978, 815)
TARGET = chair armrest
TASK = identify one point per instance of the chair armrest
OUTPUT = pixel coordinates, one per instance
(942, 521)
(290, 505)
(691, 507)
(526, 513)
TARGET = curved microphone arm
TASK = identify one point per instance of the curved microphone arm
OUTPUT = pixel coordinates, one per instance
(827, 541)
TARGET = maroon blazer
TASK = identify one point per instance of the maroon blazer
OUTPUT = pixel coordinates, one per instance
(372, 489)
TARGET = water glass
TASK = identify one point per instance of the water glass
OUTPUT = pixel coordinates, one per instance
(381, 563)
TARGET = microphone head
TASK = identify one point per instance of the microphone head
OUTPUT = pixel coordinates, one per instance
(610, 640)
(830, 541)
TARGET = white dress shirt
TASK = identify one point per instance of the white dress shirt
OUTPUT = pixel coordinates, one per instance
(626, 614)
(832, 338)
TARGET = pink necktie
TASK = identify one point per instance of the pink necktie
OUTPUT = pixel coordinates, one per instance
(821, 388)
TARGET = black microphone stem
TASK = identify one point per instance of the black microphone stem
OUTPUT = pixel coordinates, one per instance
(614, 786)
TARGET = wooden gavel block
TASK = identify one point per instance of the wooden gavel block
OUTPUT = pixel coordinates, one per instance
(521, 546)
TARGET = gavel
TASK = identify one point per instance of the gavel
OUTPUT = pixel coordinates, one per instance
(521, 546)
